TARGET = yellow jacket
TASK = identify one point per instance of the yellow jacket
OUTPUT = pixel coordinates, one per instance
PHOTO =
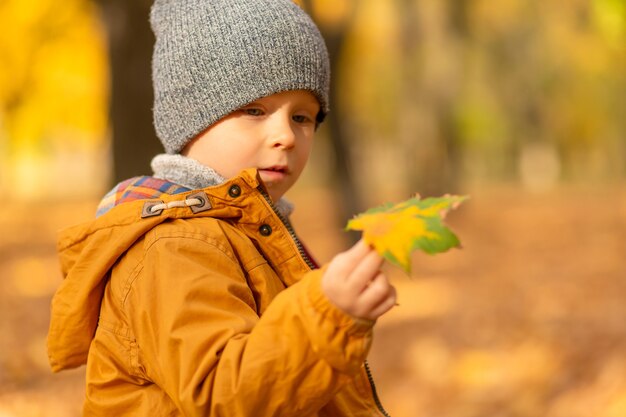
(207, 309)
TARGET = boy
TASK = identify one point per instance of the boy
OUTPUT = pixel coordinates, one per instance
(190, 294)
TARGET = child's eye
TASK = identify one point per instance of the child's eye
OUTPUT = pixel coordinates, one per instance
(252, 111)
(300, 118)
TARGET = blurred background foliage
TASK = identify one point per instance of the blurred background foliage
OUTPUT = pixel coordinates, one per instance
(429, 95)
(53, 99)
(519, 103)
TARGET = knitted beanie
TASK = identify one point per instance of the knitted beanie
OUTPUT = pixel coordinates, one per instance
(212, 57)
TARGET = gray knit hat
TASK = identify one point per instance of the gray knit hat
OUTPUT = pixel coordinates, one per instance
(212, 57)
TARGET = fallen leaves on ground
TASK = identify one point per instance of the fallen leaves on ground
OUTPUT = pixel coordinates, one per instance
(526, 321)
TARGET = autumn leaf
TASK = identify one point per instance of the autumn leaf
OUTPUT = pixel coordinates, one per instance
(395, 231)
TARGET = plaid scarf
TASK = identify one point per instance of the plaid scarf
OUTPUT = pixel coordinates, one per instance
(137, 188)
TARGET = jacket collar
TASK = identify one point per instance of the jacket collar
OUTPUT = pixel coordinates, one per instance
(173, 174)
(193, 175)
(126, 222)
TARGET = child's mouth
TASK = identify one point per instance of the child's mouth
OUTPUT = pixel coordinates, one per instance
(273, 173)
(277, 168)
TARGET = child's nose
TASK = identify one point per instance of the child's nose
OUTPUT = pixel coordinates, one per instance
(282, 134)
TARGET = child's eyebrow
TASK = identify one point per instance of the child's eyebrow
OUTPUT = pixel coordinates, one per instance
(311, 105)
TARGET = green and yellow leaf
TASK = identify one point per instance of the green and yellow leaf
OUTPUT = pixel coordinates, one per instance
(395, 231)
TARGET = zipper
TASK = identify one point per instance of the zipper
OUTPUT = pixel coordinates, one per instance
(370, 378)
(311, 265)
(287, 224)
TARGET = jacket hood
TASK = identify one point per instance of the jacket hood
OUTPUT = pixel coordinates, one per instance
(88, 251)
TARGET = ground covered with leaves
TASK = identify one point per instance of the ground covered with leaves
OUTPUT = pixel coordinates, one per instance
(526, 320)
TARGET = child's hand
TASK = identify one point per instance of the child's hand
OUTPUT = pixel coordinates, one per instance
(355, 284)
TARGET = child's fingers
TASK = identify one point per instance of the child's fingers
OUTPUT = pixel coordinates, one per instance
(386, 305)
(357, 251)
(382, 297)
(344, 263)
(378, 290)
(365, 271)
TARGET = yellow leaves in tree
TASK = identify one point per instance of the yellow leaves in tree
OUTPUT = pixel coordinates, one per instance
(395, 231)
(54, 75)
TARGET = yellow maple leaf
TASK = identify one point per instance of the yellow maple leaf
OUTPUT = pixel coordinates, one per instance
(395, 231)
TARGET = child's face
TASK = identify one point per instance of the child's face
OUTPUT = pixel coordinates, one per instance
(273, 134)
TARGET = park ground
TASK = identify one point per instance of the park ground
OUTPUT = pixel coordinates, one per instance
(527, 320)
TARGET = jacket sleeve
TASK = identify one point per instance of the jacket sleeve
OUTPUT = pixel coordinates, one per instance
(202, 341)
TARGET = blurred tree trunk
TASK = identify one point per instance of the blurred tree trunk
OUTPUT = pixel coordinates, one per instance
(416, 154)
(522, 92)
(130, 51)
(427, 129)
(459, 19)
(343, 173)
